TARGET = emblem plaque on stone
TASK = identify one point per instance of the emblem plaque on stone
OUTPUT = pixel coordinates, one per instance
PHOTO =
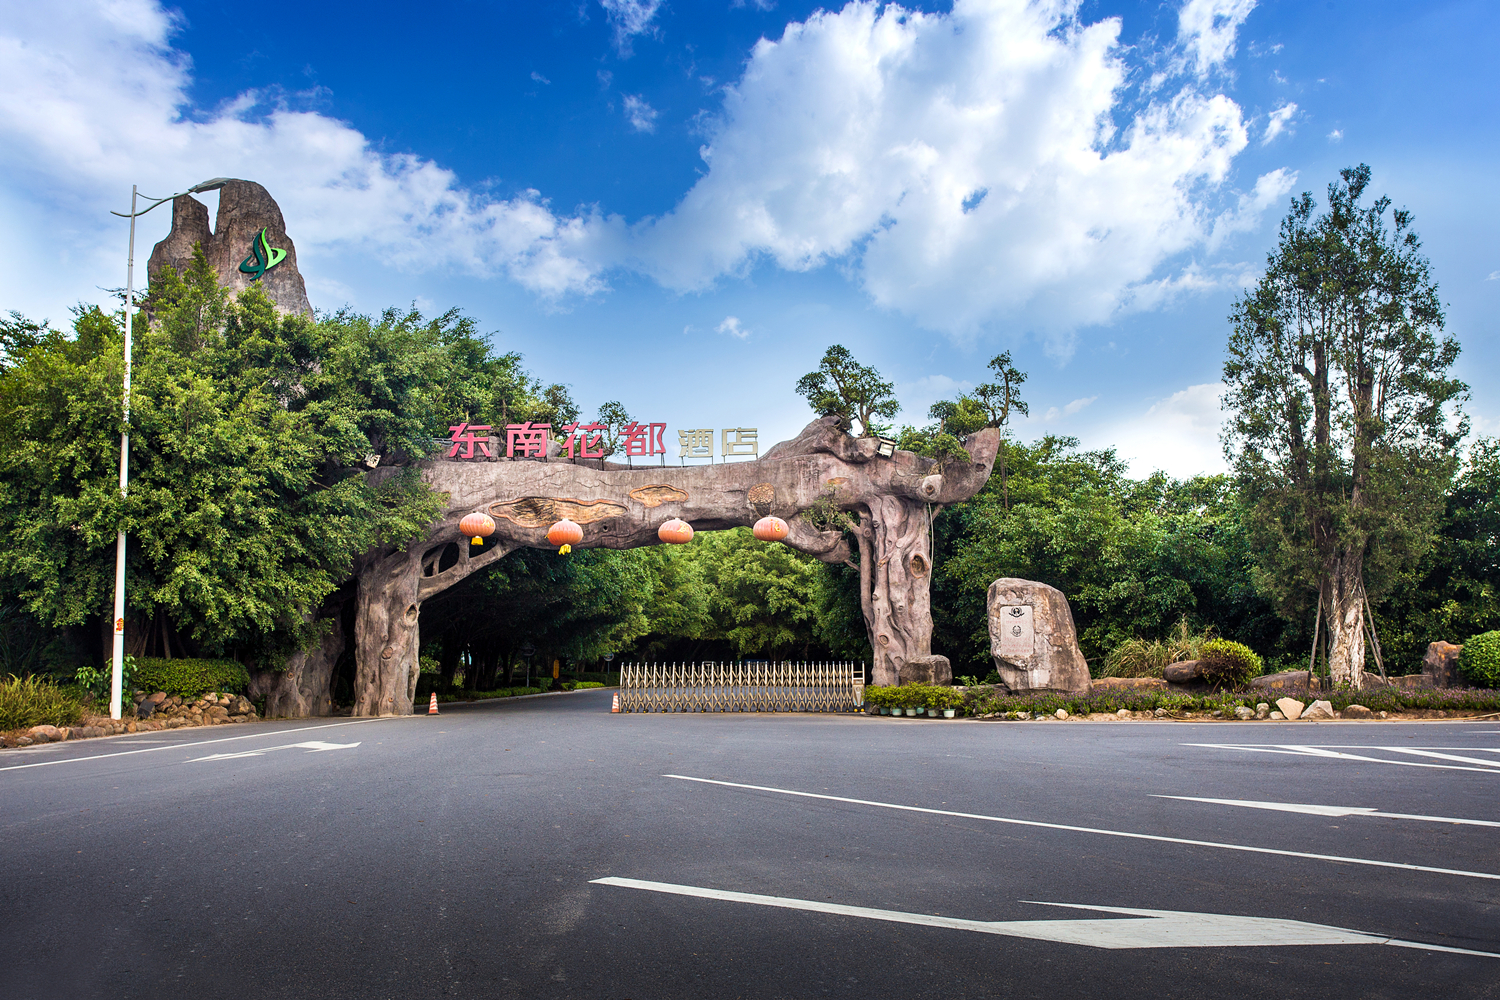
(1018, 634)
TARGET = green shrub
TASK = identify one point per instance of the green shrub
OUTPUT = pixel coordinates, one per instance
(190, 678)
(97, 682)
(1149, 658)
(1226, 664)
(31, 701)
(1480, 660)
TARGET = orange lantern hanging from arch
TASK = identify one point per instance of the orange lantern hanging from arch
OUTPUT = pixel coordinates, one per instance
(771, 529)
(675, 532)
(478, 526)
(565, 534)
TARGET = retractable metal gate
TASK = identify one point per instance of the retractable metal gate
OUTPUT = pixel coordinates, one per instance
(742, 687)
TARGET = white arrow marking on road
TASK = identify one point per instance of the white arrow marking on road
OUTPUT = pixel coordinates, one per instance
(1330, 753)
(1156, 929)
(314, 746)
(1313, 810)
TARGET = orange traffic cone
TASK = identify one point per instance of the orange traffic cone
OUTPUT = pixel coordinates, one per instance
(432, 705)
(616, 706)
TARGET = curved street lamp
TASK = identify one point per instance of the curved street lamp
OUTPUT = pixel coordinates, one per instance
(117, 677)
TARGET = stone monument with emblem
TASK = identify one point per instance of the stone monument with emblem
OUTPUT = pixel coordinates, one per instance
(1032, 638)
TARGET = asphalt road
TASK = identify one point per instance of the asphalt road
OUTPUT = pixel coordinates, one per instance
(459, 856)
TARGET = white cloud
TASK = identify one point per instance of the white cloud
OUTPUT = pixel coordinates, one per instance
(642, 116)
(861, 137)
(95, 94)
(539, 78)
(1494, 276)
(1337, 135)
(1278, 122)
(1207, 30)
(731, 326)
(630, 18)
(1054, 413)
(1178, 435)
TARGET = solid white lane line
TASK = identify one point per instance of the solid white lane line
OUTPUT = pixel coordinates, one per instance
(1152, 929)
(1103, 833)
(1323, 752)
(204, 743)
(1314, 810)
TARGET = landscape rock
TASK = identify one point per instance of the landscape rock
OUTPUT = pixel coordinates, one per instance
(1262, 711)
(1277, 717)
(1061, 714)
(245, 208)
(926, 670)
(90, 732)
(1285, 679)
(157, 698)
(1412, 681)
(1357, 712)
(1318, 710)
(1291, 708)
(1161, 713)
(1033, 639)
(45, 734)
(1440, 664)
(1183, 672)
(1241, 712)
(1128, 684)
(1123, 713)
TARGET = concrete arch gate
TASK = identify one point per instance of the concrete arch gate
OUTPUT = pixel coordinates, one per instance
(621, 507)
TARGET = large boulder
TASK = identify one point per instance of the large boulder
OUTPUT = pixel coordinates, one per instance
(1440, 664)
(1033, 639)
(245, 209)
(1285, 679)
(926, 670)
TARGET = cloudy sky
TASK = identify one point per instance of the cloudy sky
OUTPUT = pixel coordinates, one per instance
(680, 204)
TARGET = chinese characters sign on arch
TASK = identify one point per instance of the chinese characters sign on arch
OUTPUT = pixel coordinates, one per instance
(595, 440)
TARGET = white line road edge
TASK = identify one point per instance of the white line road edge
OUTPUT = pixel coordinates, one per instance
(1334, 811)
(204, 743)
(1156, 929)
(1105, 833)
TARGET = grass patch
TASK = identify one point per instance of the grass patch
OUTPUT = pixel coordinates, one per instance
(31, 701)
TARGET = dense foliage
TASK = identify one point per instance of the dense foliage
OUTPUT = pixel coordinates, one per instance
(1480, 660)
(188, 677)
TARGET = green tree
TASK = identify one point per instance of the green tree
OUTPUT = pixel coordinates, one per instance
(1337, 381)
(844, 388)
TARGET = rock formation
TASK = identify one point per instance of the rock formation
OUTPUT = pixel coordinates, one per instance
(1440, 664)
(804, 481)
(245, 210)
(1032, 638)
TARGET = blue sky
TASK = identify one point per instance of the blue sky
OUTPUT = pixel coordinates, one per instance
(680, 205)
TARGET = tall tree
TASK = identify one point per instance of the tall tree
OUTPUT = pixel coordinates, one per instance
(999, 398)
(1344, 425)
(851, 391)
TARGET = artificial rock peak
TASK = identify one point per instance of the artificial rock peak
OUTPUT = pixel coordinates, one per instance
(621, 507)
(249, 230)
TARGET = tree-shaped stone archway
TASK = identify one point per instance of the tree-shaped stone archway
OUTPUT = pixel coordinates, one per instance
(801, 481)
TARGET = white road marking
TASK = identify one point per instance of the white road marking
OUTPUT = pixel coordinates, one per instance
(204, 743)
(313, 746)
(1105, 833)
(1487, 765)
(1155, 929)
(1314, 810)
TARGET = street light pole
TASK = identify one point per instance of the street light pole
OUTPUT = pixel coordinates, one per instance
(117, 674)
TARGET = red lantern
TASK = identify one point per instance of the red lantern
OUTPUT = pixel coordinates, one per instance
(771, 529)
(675, 532)
(478, 526)
(565, 533)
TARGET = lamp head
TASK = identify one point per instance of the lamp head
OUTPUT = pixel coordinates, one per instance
(209, 185)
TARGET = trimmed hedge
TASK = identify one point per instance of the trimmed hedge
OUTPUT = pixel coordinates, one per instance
(1381, 699)
(1480, 660)
(1226, 664)
(189, 678)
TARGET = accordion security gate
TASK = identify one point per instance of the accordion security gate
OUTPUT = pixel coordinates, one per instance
(742, 687)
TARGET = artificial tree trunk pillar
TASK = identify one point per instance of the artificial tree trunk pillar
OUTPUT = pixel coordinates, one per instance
(304, 687)
(895, 554)
(386, 637)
